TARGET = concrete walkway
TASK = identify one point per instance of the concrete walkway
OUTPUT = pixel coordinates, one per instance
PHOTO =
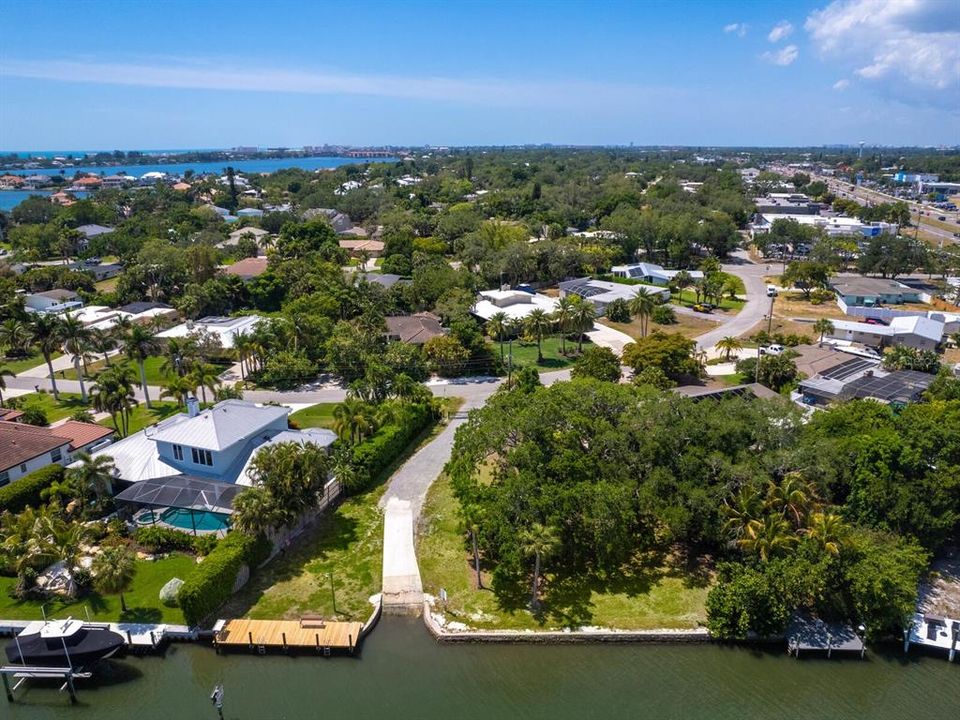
(608, 337)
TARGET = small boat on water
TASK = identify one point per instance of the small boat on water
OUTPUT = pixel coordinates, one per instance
(63, 643)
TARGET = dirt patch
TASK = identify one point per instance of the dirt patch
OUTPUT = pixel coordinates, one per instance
(940, 594)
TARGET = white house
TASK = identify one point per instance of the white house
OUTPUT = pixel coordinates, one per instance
(53, 301)
(650, 273)
(214, 444)
(916, 331)
(515, 304)
(225, 328)
(601, 293)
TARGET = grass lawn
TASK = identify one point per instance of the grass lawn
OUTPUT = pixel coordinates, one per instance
(656, 594)
(733, 380)
(689, 326)
(346, 543)
(152, 366)
(68, 405)
(141, 417)
(689, 297)
(108, 285)
(526, 354)
(18, 365)
(319, 415)
(143, 599)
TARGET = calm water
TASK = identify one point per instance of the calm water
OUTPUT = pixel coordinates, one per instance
(9, 199)
(404, 673)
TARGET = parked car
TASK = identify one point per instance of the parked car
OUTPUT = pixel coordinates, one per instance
(941, 217)
(772, 350)
(874, 321)
(701, 308)
(771, 291)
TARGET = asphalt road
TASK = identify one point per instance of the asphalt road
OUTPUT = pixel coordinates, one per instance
(758, 304)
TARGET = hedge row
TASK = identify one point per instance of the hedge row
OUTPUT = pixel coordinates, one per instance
(26, 491)
(211, 582)
(375, 453)
(160, 539)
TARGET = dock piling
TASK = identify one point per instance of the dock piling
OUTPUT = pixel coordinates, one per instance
(6, 688)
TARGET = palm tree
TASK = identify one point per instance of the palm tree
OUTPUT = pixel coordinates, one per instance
(48, 334)
(113, 571)
(243, 346)
(179, 388)
(352, 419)
(113, 393)
(540, 541)
(562, 316)
(829, 530)
(729, 345)
(93, 473)
(497, 327)
(538, 323)
(254, 512)
(140, 344)
(583, 317)
(203, 376)
(792, 498)
(102, 341)
(76, 336)
(745, 508)
(179, 355)
(768, 537)
(642, 305)
(823, 326)
(4, 372)
(682, 280)
(15, 336)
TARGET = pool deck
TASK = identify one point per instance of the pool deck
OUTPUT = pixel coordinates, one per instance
(306, 633)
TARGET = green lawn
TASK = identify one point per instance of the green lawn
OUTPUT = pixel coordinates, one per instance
(734, 379)
(141, 417)
(345, 544)
(651, 595)
(143, 599)
(526, 353)
(18, 365)
(319, 415)
(152, 366)
(689, 297)
(69, 403)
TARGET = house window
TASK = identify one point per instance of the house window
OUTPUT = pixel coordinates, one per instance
(23, 467)
(202, 457)
(56, 455)
(178, 452)
(4, 478)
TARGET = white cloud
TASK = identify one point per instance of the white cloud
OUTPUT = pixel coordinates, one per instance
(909, 48)
(780, 31)
(739, 28)
(784, 56)
(841, 84)
(226, 75)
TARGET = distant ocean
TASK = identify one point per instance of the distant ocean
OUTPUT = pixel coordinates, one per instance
(9, 199)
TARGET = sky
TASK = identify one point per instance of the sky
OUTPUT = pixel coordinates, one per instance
(167, 74)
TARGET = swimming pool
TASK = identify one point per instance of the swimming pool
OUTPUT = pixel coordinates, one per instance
(201, 520)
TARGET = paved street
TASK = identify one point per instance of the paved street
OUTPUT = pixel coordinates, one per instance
(758, 304)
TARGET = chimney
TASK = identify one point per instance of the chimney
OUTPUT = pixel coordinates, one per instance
(193, 407)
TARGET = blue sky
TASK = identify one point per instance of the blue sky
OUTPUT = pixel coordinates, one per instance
(172, 74)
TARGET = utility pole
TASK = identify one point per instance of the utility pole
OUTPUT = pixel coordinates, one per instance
(770, 316)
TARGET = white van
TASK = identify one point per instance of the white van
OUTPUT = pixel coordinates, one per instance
(771, 291)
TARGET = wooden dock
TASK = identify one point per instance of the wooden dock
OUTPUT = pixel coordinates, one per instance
(307, 633)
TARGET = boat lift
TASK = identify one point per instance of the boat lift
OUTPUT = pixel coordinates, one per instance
(23, 673)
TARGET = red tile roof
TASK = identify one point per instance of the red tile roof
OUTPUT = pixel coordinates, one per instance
(81, 433)
(20, 443)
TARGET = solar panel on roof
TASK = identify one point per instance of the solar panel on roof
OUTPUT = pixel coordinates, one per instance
(847, 369)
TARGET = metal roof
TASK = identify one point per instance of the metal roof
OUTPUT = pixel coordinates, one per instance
(182, 491)
(221, 426)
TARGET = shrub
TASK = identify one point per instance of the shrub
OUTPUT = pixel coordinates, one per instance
(597, 362)
(82, 581)
(211, 582)
(618, 311)
(34, 416)
(160, 539)
(664, 315)
(285, 370)
(379, 450)
(26, 491)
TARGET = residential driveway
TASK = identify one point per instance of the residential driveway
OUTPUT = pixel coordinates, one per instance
(758, 304)
(607, 337)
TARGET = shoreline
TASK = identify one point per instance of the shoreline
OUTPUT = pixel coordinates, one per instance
(660, 636)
